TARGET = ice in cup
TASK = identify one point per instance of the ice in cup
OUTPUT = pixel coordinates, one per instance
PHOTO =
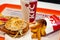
(29, 9)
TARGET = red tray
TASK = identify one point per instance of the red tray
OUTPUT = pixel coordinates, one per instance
(44, 10)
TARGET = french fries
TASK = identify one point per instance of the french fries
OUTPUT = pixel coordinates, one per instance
(38, 34)
(38, 30)
(43, 30)
(34, 35)
(34, 30)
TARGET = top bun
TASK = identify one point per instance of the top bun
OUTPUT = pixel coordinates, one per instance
(15, 24)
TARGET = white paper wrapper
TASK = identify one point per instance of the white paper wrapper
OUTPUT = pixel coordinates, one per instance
(2, 34)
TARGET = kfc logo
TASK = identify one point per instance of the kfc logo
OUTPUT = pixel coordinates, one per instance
(32, 7)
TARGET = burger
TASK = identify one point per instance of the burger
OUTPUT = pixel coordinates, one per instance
(15, 27)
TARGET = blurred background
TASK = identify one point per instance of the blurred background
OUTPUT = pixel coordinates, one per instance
(51, 1)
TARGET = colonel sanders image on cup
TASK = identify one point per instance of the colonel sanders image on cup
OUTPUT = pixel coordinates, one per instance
(29, 9)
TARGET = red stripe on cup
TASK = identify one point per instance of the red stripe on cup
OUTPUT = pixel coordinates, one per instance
(32, 7)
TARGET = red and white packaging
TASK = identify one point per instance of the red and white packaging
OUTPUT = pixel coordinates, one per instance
(53, 24)
(29, 9)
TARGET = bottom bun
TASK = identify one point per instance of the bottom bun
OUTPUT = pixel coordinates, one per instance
(14, 33)
(19, 35)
